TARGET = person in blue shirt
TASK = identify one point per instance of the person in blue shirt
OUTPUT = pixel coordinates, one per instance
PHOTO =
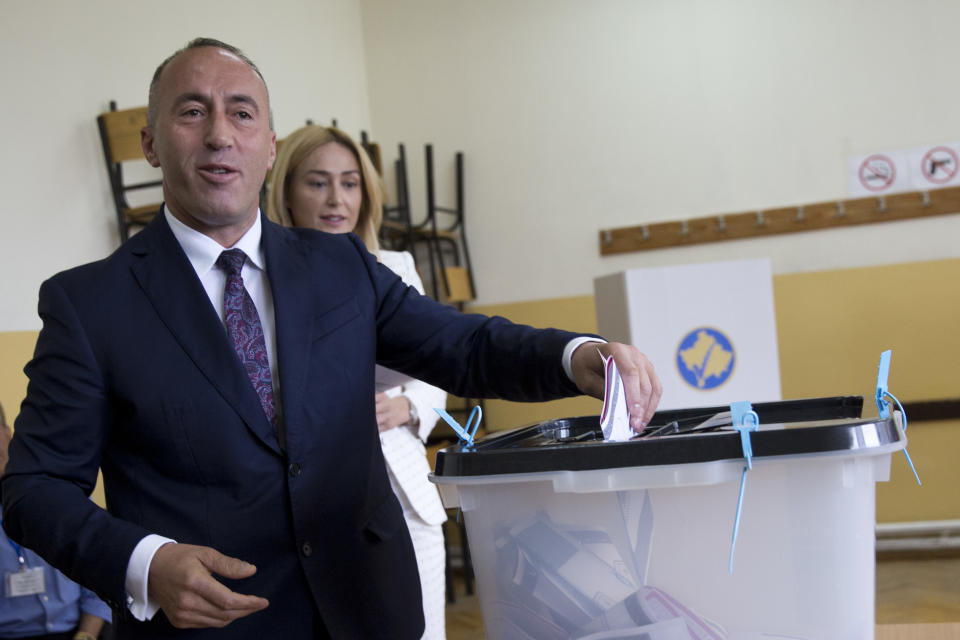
(38, 601)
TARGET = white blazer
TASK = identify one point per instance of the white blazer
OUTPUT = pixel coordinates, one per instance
(403, 446)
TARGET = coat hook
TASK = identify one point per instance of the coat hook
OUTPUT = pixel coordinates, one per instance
(841, 209)
(760, 220)
(881, 204)
(926, 198)
(800, 217)
(607, 238)
(644, 233)
(721, 224)
(684, 228)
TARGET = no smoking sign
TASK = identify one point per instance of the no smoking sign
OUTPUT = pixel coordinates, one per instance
(877, 173)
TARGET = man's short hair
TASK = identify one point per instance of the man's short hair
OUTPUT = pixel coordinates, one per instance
(196, 43)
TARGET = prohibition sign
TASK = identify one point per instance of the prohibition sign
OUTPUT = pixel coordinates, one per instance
(877, 172)
(940, 165)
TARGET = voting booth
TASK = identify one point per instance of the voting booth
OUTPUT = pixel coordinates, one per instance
(709, 329)
(574, 537)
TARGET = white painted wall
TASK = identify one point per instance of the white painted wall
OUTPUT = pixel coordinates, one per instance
(62, 61)
(576, 116)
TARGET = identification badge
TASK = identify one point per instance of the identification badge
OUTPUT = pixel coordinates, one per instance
(24, 583)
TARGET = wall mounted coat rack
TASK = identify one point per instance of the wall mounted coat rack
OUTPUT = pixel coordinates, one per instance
(821, 215)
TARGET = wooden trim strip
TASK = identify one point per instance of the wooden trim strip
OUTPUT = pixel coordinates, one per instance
(821, 215)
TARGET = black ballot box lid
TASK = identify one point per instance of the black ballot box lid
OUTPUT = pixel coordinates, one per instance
(787, 428)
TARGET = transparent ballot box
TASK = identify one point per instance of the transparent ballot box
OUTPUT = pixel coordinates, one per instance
(572, 537)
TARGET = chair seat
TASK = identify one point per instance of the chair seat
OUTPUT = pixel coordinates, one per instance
(459, 288)
(395, 226)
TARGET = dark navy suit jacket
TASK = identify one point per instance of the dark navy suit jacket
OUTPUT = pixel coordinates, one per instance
(133, 373)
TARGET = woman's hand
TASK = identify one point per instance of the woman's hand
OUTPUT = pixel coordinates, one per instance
(391, 412)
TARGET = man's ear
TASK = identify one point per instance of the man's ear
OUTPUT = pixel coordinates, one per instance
(273, 149)
(147, 143)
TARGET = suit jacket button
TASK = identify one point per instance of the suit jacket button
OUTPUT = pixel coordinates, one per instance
(294, 469)
(306, 549)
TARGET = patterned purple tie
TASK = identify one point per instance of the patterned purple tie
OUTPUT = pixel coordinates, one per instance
(245, 331)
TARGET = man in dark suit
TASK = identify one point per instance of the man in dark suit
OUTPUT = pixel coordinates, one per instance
(243, 474)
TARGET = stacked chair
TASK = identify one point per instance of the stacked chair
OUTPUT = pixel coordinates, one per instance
(120, 135)
(449, 277)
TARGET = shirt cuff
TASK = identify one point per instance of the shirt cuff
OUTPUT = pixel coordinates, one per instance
(570, 348)
(138, 572)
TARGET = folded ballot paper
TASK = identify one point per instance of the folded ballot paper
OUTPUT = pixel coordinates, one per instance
(614, 419)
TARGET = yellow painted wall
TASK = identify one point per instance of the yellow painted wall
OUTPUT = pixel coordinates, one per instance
(16, 349)
(832, 326)
(574, 314)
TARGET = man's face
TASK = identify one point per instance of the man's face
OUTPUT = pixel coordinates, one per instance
(212, 139)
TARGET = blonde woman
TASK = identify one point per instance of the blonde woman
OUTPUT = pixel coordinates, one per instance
(322, 179)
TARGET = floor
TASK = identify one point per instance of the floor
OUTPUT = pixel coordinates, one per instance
(463, 615)
(918, 590)
(910, 590)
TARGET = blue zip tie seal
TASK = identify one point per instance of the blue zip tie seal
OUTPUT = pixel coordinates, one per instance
(465, 433)
(744, 420)
(883, 373)
(883, 405)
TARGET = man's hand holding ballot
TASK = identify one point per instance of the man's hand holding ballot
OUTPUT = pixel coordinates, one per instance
(641, 385)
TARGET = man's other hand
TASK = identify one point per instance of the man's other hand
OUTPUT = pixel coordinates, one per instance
(181, 582)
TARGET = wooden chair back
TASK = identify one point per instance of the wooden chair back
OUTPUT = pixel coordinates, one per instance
(120, 136)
